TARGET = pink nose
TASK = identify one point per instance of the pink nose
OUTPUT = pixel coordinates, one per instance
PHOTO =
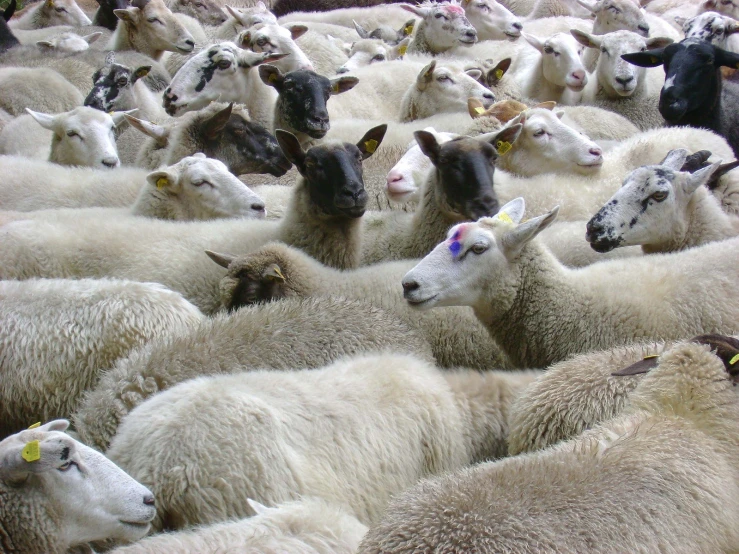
(394, 176)
(579, 75)
(596, 151)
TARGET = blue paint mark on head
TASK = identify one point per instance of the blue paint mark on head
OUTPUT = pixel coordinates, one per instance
(455, 247)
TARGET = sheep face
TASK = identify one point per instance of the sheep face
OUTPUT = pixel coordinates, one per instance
(63, 12)
(275, 39)
(492, 20)
(650, 208)
(44, 471)
(303, 96)
(444, 25)
(368, 51)
(206, 12)
(561, 63)
(617, 15)
(333, 172)
(691, 74)
(113, 87)
(156, 28)
(220, 72)
(249, 17)
(477, 264)
(69, 42)
(710, 27)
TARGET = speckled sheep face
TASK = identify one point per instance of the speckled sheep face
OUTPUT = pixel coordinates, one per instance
(619, 15)
(710, 27)
(113, 87)
(492, 20)
(206, 12)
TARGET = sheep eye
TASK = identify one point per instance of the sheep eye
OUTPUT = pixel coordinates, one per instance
(614, 9)
(67, 466)
(199, 5)
(72, 134)
(438, 16)
(200, 183)
(122, 82)
(378, 58)
(154, 20)
(478, 248)
(261, 41)
(604, 50)
(548, 50)
(442, 78)
(660, 195)
(224, 64)
(60, 10)
(539, 133)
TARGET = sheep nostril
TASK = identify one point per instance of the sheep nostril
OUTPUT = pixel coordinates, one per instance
(624, 80)
(518, 26)
(149, 500)
(410, 286)
(596, 151)
(257, 207)
(190, 43)
(110, 163)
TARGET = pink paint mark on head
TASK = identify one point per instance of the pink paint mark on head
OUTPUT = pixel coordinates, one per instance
(455, 244)
(454, 9)
(459, 233)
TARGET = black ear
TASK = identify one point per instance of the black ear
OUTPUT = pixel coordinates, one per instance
(496, 74)
(10, 10)
(648, 58)
(141, 72)
(429, 145)
(290, 146)
(724, 58)
(214, 126)
(271, 76)
(722, 170)
(371, 140)
(642, 366)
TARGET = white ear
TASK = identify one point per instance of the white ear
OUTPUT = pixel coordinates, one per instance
(588, 5)
(199, 156)
(55, 425)
(415, 10)
(680, 20)
(675, 159)
(262, 6)
(258, 508)
(44, 44)
(120, 117)
(514, 240)
(700, 177)
(166, 179)
(513, 210)
(559, 113)
(44, 119)
(89, 39)
(534, 41)
(474, 73)
(157, 132)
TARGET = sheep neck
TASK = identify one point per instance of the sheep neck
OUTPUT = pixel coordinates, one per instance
(17, 510)
(332, 240)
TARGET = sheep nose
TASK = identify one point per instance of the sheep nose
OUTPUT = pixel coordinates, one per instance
(190, 43)
(257, 207)
(110, 162)
(149, 499)
(318, 119)
(394, 177)
(409, 287)
(624, 80)
(488, 96)
(578, 75)
(518, 26)
(593, 229)
(597, 152)
(471, 34)
(644, 28)
(342, 69)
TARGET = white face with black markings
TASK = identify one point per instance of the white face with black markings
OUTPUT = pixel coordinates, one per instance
(710, 27)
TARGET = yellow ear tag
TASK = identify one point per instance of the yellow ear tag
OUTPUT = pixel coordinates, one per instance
(335, 88)
(502, 147)
(408, 30)
(480, 110)
(279, 273)
(653, 60)
(37, 424)
(402, 50)
(371, 145)
(272, 78)
(502, 216)
(734, 360)
(499, 74)
(31, 452)
(651, 356)
(162, 182)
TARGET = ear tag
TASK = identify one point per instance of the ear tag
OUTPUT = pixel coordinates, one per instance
(653, 60)
(37, 424)
(272, 78)
(402, 50)
(371, 145)
(279, 273)
(502, 216)
(499, 74)
(480, 110)
(734, 360)
(31, 452)
(651, 356)
(502, 147)
(162, 182)
(408, 30)
(335, 88)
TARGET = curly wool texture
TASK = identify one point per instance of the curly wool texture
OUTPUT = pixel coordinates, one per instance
(57, 336)
(23, 87)
(291, 334)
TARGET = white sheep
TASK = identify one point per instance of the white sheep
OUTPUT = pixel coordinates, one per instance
(663, 210)
(49, 362)
(22, 88)
(670, 9)
(241, 18)
(520, 291)
(277, 271)
(50, 13)
(492, 20)
(276, 39)
(674, 447)
(442, 26)
(305, 333)
(371, 17)
(306, 526)
(369, 50)
(59, 493)
(82, 137)
(69, 42)
(207, 12)
(421, 424)
(386, 33)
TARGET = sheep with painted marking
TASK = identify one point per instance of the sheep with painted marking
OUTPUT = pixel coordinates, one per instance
(423, 424)
(48, 364)
(59, 493)
(22, 88)
(293, 333)
(674, 446)
(519, 290)
(50, 13)
(306, 526)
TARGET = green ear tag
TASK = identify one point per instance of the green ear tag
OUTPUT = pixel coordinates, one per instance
(371, 145)
(499, 74)
(37, 424)
(734, 360)
(653, 60)
(272, 78)
(31, 452)
(502, 147)
(335, 88)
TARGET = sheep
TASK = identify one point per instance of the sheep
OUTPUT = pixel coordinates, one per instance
(8, 40)
(149, 27)
(422, 425)
(59, 493)
(324, 220)
(47, 363)
(22, 88)
(459, 188)
(370, 17)
(368, 51)
(275, 39)
(578, 310)
(711, 27)
(443, 25)
(105, 14)
(49, 13)
(676, 443)
(81, 137)
(284, 8)
(492, 20)
(69, 42)
(669, 9)
(240, 18)
(494, 76)
(277, 271)
(694, 93)
(294, 332)
(206, 12)
(306, 526)
(663, 210)
(386, 33)
(620, 86)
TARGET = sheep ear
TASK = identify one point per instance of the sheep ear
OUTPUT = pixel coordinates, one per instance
(700, 177)
(223, 260)
(45, 45)
(429, 145)
(534, 41)
(590, 41)
(342, 84)
(559, 113)
(642, 366)
(548, 105)
(474, 72)
(407, 29)
(503, 139)
(258, 508)
(425, 76)
(588, 5)
(273, 273)
(55, 425)
(157, 132)
(725, 58)
(290, 146)
(19, 459)
(680, 20)
(720, 172)
(475, 108)
(47, 121)
(361, 31)
(245, 40)
(496, 74)
(10, 10)
(214, 126)
(271, 76)
(648, 58)
(166, 180)
(416, 10)
(371, 140)
(675, 159)
(92, 37)
(141, 72)
(120, 117)
(233, 13)
(297, 31)
(399, 50)
(731, 28)
(658, 42)
(129, 15)
(514, 210)
(514, 240)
